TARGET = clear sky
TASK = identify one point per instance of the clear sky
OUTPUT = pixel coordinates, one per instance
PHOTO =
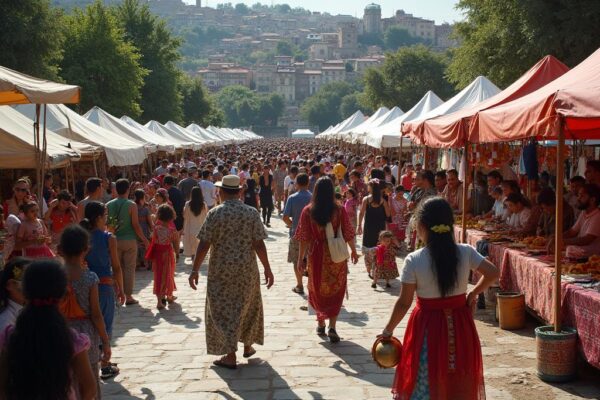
(438, 10)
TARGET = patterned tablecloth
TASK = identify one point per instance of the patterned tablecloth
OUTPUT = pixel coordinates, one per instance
(534, 277)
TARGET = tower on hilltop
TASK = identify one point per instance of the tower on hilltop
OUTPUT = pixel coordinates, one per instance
(372, 18)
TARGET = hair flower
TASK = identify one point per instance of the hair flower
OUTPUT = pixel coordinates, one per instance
(374, 181)
(440, 228)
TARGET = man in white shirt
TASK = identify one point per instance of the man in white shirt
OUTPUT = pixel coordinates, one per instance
(584, 237)
(163, 169)
(209, 190)
(289, 184)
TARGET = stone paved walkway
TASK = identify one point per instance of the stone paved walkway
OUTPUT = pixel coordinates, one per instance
(162, 355)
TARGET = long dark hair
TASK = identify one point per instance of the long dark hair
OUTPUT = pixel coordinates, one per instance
(12, 270)
(196, 201)
(323, 201)
(93, 211)
(375, 191)
(36, 360)
(436, 212)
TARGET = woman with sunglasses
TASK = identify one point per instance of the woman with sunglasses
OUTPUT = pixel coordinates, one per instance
(21, 195)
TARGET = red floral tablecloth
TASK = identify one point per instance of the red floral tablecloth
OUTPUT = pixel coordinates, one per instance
(534, 277)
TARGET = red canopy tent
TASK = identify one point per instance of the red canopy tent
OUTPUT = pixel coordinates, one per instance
(574, 98)
(452, 130)
(567, 106)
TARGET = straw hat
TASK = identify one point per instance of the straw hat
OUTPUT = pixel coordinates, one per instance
(229, 182)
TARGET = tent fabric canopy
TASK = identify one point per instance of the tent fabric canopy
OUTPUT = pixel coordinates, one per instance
(19, 88)
(388, 134)
(452, 130)
(303, 134)
(352, 121)
(120, 151)
(480, 89)
(183, 141)
(359, 134)
(575, 96)
(187, 133)
(17, 148)
(205, 134)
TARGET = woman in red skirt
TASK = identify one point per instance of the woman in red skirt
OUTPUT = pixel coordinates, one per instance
(441, 355)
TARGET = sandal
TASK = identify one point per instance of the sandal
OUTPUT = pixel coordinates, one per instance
(373, 285)
(110, 371)
(172, 299)
(321, 330)
(333, 336)
(221, 363)
(250, 353)
(131, 302)
(298, 290)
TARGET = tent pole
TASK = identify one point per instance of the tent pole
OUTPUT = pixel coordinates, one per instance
(558, 243)
(43, 159)
(37, 143)
(465, 194)
(425, 157)
(95, 167)
(399, 172)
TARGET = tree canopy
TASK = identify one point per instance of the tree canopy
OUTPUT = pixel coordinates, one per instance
(31, 37)
(199, 106)
(324, 107)
(503, 39)
(395, 37)
(99, 59)
(159, 50)
(243, 107)
(405, 77)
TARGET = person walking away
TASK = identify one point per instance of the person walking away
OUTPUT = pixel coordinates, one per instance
(42, 357)
(291, 217)
(194, 214)
(265, 195)
(289, 184)
(146, 223)
(279, 176)
(385, 259)
(81, 305)
(234, 310)
(103, 260)
(186, 185)
(374, 211)
(327, 280)
(209, 191)
(123, 219)
(178, 202)
(441, 354)
(162, 256)
(250, 193)
(94, 192)
(32, 236)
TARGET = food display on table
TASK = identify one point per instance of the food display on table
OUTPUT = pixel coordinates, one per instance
(591, 268)
(535, 242)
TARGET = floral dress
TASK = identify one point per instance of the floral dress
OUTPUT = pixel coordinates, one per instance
(162, 255)
(385, 262)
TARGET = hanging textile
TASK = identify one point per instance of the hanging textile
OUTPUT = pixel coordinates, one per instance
(530, 161)
(581, 165)
(462, 166)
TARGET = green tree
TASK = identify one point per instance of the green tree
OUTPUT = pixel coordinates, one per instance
(395, 37)
(159, 50)
(405, 77)
(199, 106)
(99, 59)
(242, 9)
(371, 39)
(502, 39)
(243, 107)
(31, 37)
(284, 48)
(353, 102)
(323, 108)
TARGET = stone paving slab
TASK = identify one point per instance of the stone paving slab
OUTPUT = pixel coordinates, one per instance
(162, 355)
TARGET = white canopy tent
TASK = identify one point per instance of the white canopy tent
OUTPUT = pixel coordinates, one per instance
(19, 88)
(17, 147)
(352, 121)
(348, 135)
(100, 117)
(480, 89)
(303, 134)
(388, 135)
(187, 133)
(120, 151)
(184, 141)
(360, 134)
(209, 136)
(176, 144)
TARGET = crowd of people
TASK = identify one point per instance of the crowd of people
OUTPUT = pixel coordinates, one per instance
(71, 257)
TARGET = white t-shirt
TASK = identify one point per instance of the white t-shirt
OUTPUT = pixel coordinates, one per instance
(289, 184)
(418, 269)
(209, 192)
(520, 219)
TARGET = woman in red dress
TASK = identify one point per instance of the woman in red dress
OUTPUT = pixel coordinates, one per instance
(441, 355)
(326, 279)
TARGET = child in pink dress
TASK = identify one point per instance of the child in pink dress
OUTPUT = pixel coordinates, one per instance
(162, 256)
(351, 205)
(399, 206)
(32, 236)
(385, 259)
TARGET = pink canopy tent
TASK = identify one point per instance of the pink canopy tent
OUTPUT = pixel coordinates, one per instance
(452, 130)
